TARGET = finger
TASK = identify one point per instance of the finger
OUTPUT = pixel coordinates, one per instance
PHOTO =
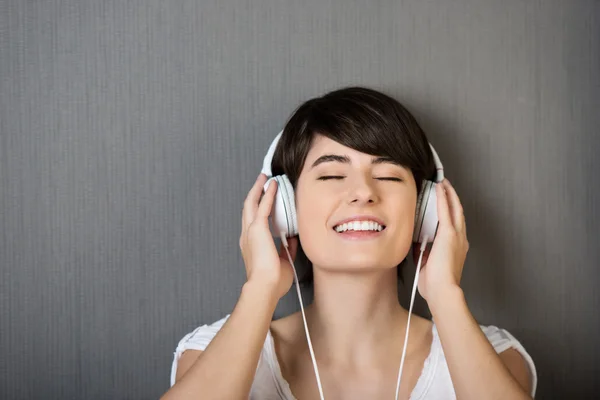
(252, 199)
(456, 208)
(443, 207)
(266, 203)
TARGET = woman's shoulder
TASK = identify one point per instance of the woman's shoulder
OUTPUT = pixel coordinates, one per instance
(263, 385)
(502, 340)
(200, 337)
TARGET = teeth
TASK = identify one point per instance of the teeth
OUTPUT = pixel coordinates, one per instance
(359, 226)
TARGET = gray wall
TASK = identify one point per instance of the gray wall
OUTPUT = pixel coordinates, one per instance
(131, 131)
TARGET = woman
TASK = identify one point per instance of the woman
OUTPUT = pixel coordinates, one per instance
(356, 322)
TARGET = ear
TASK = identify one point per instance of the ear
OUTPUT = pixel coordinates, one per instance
(416, 247)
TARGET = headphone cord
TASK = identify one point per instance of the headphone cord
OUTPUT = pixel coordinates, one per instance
(412, 302)
(312, 353)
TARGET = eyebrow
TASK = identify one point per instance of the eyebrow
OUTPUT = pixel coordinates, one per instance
(346, 160)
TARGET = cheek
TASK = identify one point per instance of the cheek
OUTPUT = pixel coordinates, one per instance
(405, 222)
(313, 213)
(402, 234)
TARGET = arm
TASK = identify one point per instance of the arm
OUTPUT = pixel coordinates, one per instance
(225, 370)
(477, 371)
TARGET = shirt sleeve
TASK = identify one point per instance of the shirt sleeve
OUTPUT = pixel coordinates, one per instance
(502, 340)
(198, 339)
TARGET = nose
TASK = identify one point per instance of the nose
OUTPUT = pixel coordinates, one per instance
(362, 191)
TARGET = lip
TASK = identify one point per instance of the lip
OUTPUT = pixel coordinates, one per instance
(363, 217)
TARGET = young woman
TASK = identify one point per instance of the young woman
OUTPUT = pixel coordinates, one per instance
(354, 154)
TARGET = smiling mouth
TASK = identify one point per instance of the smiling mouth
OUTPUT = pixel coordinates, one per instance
(359, 227)
(360, 235)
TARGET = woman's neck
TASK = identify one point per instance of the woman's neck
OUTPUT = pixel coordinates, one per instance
(355, 318)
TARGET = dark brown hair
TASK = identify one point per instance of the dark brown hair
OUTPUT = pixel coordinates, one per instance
(362, 119)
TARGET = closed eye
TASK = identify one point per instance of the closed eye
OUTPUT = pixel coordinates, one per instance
(390, 179)
(329, 177)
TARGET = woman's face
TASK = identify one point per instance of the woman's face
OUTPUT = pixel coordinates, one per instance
(362, 190)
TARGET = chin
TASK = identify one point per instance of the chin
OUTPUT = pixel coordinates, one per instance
(348, 256)
(359, 262)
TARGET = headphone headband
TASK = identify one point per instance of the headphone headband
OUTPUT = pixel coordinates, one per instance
(266, 168)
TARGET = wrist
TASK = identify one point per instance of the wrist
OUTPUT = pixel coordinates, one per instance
(445, 298)
(260, 292)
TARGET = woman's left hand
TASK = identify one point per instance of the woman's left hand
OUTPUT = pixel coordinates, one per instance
(442, 264)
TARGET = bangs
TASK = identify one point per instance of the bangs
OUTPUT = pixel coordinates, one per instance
(359, 118)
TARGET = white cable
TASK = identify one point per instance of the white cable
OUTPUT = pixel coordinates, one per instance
(312, 353)
(412, 301)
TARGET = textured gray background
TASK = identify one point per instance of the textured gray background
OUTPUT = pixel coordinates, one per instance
(131, 132)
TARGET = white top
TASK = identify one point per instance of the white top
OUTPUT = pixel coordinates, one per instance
(433, 383)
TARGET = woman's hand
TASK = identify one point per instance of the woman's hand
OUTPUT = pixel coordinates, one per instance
(264, 265)
(442, 265)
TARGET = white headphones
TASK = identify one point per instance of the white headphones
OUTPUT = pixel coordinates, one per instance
(284, 207)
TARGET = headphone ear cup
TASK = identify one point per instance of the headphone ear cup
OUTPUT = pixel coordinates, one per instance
(426, 218)
(283, 213)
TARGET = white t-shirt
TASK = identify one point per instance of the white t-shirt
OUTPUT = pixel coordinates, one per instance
(433, 383)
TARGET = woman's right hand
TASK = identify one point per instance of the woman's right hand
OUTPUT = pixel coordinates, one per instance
(264, 265)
